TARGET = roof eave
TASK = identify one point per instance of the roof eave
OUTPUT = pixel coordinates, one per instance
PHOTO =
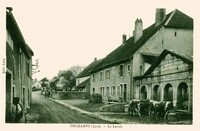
(24, 46)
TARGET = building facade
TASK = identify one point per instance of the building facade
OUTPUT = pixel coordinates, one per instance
(83, 78)
(113, 77)
(169, 78)
(18, 67)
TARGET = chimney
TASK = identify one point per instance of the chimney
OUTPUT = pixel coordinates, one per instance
(9, 9)
(160, 16)
(138, 32)
(123, 39)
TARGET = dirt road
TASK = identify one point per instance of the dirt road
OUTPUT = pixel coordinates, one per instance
(44, 110)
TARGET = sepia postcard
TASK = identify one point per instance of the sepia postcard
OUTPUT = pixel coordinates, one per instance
(99, 64)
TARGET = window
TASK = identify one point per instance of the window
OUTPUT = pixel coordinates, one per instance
(93, 90)
(121, 70)
(14, 67)
(13, 92)
(140, 70)
(93, 79)
(101, 91)
(114, 91)
(121, 89)
(107, 74)
(118, 91)
(129, 68)
(28, 92)
(9, 40)
(175, 33)
(101, 76)
(27, 68)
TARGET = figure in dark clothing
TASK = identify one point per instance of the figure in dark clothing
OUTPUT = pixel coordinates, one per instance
(18, 110)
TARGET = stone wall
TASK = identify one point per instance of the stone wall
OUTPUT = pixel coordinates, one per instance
(119, 107)
(69, 95)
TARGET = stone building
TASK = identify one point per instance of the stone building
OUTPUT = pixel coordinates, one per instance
(18, 67)
(83, 78)
(114, 76)
(169, 78)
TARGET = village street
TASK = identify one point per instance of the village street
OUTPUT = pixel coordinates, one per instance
(44, 110)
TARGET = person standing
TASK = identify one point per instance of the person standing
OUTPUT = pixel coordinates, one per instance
(17, 110)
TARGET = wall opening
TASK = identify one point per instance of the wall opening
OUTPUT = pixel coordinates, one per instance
(143, 93)
(125, 92)
(8, 97)
(93, 90)
(156, 93)
(182, 96)
(168, 92)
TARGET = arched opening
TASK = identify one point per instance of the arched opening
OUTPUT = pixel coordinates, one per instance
(168, 93)
(156, 93)
(182, 96)
(143, 93)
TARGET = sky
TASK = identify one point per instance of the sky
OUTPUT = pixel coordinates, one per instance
(63, 33)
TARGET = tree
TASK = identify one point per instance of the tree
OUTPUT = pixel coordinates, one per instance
(52, 82)
(69, 80)
(44, 82)
(76, 69)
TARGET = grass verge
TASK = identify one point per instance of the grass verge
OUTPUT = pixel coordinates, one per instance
(90, 106)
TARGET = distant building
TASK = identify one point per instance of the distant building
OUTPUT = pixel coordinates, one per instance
(36, 84)
(18, 67)
(83, 86)
(114, 77)
(45, 85)
(60, 83)
(83, 78)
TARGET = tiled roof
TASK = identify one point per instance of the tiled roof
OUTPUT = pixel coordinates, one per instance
(44, 79)
(186, 58)
(16, 34)
(125, 51)
(149, 58)
(83, 84)
(88, 69)
(180, 20)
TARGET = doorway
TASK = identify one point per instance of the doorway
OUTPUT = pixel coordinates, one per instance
(125, 92)
(8, 98)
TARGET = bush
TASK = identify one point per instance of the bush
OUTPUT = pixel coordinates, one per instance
(95, 98)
